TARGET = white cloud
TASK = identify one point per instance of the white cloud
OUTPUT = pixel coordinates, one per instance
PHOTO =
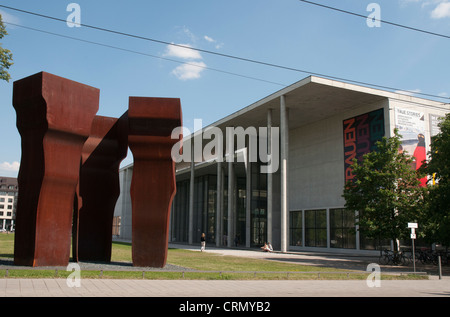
(209, 39)
(6, 17)
(441, 7)
(186, 32)
(184, 52)
(194, 65)
(9, 169)
(191, 70)
(441, 11)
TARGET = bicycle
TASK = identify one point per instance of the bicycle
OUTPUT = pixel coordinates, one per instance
(392, 258)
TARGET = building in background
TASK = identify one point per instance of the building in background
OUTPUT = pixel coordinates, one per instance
(8, 202)
(320, 125)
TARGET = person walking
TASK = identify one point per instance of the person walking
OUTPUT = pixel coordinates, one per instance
(202, 242)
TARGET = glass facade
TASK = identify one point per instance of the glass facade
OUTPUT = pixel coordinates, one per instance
(180, 213)
(296, 228)
(258, 229)
(205, 209)
(241, 199)
(342, 229)
(316, 228)
(333, 228)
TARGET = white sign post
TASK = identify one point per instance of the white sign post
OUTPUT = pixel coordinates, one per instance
(413, 226)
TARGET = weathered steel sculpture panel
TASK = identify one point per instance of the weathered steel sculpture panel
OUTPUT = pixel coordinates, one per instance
(69, 173)
(151, 121)
(98, 188)
(54, 117)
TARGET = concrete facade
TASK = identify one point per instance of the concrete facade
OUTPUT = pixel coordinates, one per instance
(8, 202)
(299, 205)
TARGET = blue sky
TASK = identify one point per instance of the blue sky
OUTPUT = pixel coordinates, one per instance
(290, 33)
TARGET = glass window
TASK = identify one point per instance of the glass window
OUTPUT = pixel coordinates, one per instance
(211, 208)
(296, 229)
(258, 207)
(316, 228)
(342, 229)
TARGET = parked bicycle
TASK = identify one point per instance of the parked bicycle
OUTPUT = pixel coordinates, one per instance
(426, 256)
(393, 258)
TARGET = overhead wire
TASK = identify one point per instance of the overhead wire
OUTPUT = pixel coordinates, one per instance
(406, 92)
(375, 19)
(144, 54)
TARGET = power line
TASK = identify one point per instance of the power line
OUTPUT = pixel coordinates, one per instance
(378, 20)
(144, 54)
(225, 55)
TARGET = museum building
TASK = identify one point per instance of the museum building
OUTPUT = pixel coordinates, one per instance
(281, 178)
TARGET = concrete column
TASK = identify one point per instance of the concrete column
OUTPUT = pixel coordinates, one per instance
(269, 178)
(303, 229)
(230, 233)
(219, 205)
(284, 156)
(248, 200)
(328, 228)
(191, 196)
(219, 193)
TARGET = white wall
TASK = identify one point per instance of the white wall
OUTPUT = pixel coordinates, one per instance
(316, 160)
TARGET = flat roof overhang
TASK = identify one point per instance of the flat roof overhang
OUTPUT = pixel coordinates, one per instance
(312, 99)
(309, 100)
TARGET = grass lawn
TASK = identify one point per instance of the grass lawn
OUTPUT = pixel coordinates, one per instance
(218, 267)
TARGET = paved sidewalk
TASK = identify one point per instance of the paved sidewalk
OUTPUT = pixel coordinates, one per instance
(434, 287)
(204, 288)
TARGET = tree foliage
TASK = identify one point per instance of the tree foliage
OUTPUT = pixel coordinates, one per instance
(436, 218)
(385, 191)
(5, 55)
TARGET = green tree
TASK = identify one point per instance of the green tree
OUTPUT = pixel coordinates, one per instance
(385, 192)
(436, 217)
(5, 55)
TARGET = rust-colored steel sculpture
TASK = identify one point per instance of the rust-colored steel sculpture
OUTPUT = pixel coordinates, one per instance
(98, 188)
(151, 121)
(54, 117)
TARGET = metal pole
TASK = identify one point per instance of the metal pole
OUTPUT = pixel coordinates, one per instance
(440, 268)
(414, 256)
